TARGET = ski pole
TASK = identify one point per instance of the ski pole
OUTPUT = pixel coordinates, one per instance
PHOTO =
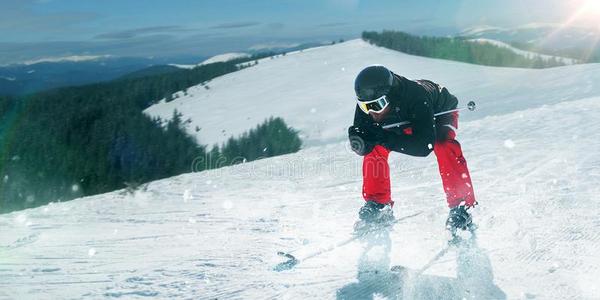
(470, 106)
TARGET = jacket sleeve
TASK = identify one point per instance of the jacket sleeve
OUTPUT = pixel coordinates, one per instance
(421, 142)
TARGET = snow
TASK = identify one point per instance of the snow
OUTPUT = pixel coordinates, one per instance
(183, 66)
(528, 54)
(478, 30)
(214, 234)
(215, 59)
(509, 144)
(313, 79)
(71, 58)
(224, 57)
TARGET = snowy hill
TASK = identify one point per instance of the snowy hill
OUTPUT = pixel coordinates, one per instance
(215, 59)
(316, 86)
(548, 35)
(531, 148)
(47, 73)
(224, 57)
(528, 54)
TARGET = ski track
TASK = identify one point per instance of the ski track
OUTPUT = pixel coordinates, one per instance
(214, 234)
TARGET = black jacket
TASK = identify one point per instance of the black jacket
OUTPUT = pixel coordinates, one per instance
(415, 102)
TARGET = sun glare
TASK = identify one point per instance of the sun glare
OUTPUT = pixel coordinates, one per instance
(591, 7)
(584, 13)
(589, 11)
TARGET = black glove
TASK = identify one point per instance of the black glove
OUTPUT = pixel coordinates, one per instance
(375, 133)
(358, 143)
(364, 139)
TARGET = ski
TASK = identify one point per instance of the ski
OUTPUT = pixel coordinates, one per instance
(293, 260)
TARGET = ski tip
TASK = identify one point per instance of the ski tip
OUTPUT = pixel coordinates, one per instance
(286, 265)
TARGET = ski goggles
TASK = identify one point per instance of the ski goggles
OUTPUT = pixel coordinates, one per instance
(376, 106)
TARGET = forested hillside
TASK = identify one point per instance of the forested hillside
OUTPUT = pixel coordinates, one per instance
(70, 142)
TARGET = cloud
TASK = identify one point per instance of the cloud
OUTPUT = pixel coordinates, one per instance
(20, 16)
(131, 33)
(275, 26)
(234, 25)
(203, 35)
(344, 4)
(48, 23)
(336, 24)
(420, 20)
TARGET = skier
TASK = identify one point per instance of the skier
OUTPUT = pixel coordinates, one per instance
(394, 113)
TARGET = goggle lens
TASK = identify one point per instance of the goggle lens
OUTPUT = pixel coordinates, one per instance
(376, 106)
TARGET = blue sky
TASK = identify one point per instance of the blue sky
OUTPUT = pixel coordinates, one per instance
(36, 28)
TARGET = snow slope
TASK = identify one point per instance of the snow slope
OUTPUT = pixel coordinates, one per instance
(316, 87)
(528, 54)
(214, 234)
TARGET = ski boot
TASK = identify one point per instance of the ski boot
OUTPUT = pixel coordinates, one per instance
(373, 215)
(459, 218)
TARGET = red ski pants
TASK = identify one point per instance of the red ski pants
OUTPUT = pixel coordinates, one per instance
(451, 162)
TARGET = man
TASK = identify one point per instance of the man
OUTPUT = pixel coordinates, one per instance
(397, 114)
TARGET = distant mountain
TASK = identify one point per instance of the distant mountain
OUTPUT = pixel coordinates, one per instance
(53, 72)
(548, 35)
(70, 58)
(43, 74)
(281, 48)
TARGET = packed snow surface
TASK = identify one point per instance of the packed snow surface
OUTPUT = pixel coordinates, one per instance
(532, 148)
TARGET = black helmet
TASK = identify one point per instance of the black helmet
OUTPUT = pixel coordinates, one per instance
(373, 82)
